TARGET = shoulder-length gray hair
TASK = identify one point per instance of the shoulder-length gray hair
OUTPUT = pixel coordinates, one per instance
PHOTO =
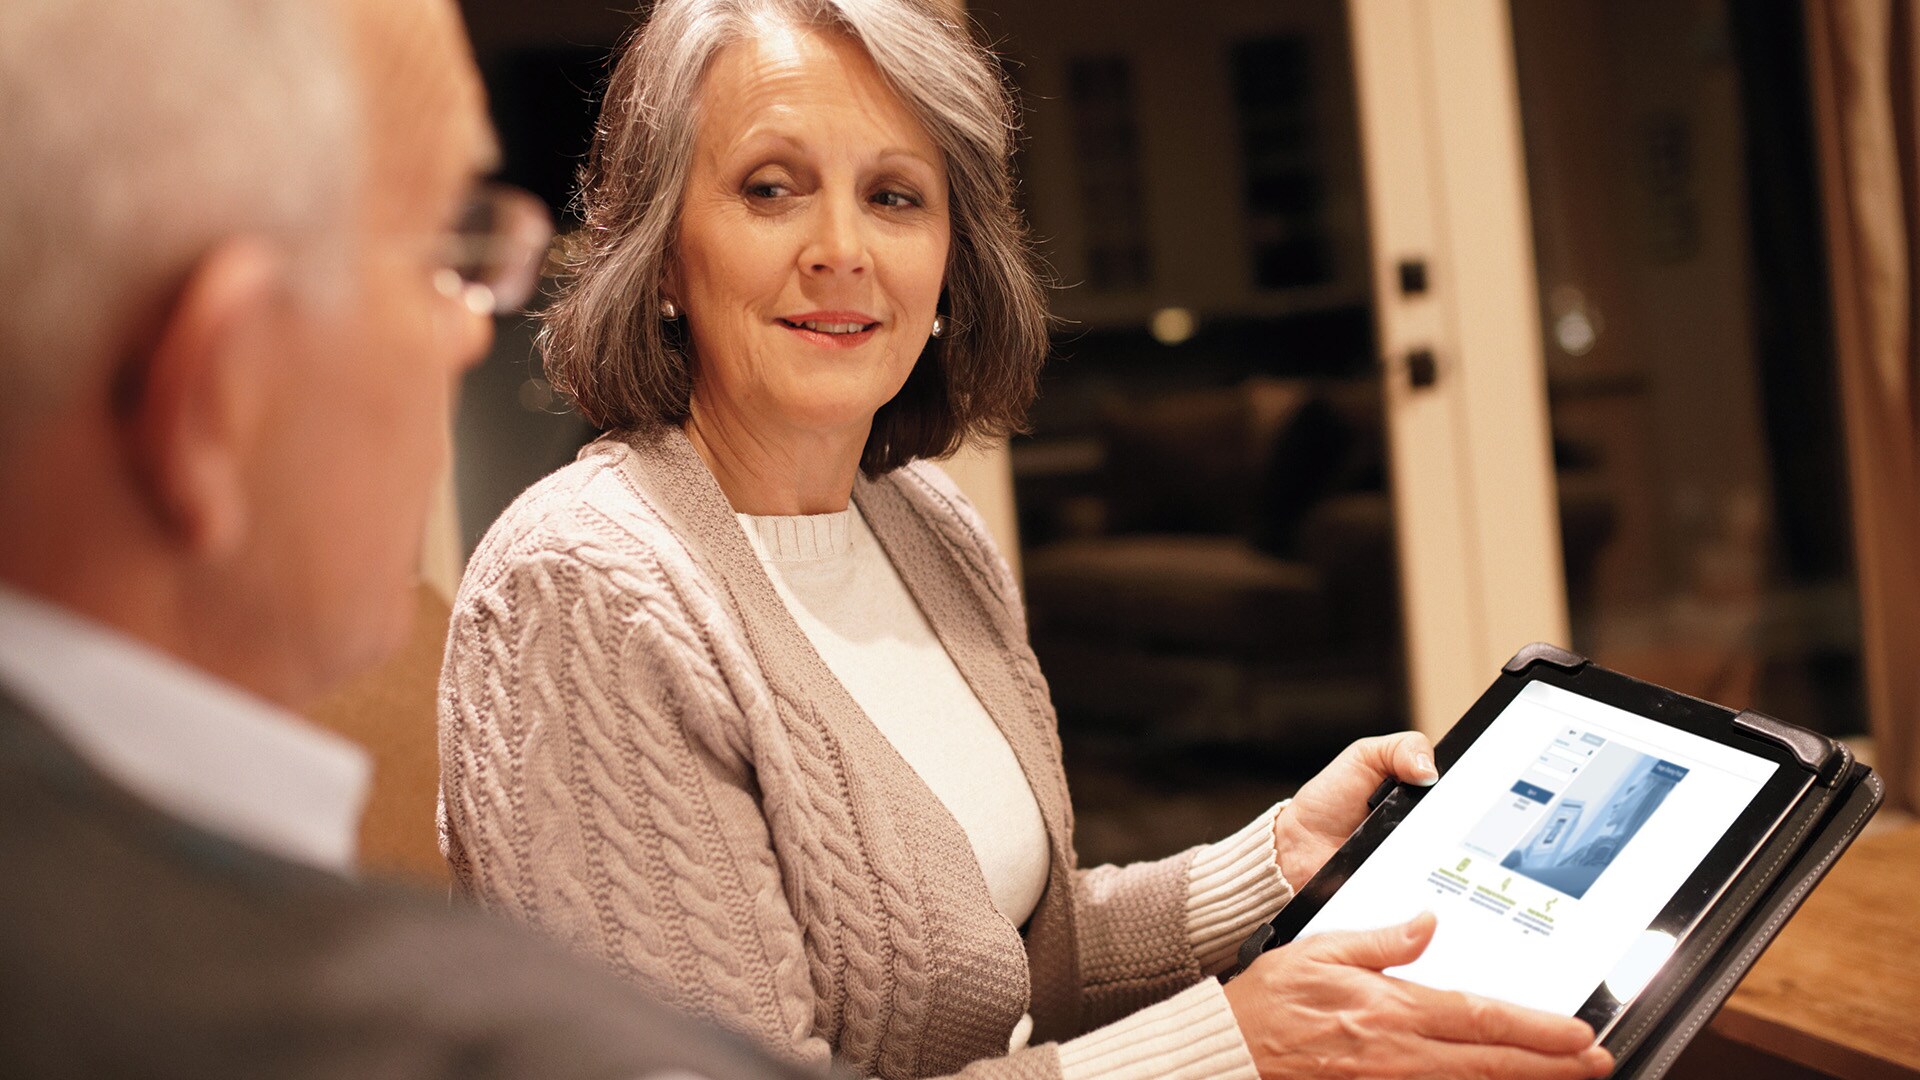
(606, 346)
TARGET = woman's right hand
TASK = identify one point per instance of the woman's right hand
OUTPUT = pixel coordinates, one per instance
(1322, 1008)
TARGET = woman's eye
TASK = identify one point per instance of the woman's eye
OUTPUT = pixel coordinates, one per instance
(767, 189)
(895, 200)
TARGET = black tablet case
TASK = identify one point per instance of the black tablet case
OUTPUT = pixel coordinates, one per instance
(1686, 994)
(1692, 1001)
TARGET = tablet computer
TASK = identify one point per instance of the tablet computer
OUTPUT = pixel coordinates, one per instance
(1592, 845)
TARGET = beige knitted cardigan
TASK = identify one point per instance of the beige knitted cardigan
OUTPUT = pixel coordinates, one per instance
(642, 754)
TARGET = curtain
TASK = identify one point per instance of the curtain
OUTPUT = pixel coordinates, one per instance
(1866, 93)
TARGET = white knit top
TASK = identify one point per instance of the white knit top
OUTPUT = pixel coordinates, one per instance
(849, 601)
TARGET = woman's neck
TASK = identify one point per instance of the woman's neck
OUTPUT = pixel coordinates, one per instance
(768, 473)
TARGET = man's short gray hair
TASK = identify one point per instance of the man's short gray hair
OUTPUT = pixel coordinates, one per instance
(606, 346)
(134, 136)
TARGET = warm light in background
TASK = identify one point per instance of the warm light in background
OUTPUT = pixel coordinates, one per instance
(1576, 326)
(1172, 325)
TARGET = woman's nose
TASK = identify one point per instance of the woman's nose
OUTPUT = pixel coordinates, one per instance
(838, 244)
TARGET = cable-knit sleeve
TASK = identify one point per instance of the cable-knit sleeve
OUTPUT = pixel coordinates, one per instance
(1190, 1036)
(596, 785)
(1132, 928)
(1152, 929)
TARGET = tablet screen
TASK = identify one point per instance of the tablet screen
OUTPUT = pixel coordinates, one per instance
(1552, 844)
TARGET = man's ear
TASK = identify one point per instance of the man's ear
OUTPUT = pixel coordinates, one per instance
(201, 400)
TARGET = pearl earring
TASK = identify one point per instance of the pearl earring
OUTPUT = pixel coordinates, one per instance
(668, 309)
(939, 326)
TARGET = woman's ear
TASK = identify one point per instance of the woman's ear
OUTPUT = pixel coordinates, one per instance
(200, 398)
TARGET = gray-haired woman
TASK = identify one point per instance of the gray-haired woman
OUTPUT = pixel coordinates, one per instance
(741, 701)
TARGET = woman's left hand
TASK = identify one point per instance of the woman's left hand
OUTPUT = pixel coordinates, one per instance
(1333, 804)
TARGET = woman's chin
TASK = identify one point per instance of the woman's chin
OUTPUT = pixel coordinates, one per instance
(830, 414)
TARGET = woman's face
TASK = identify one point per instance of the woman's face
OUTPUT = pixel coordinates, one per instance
(813, 238)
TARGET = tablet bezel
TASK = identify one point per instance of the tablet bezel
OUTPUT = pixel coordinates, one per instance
(1696, 896)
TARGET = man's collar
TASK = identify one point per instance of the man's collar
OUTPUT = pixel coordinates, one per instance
(192, 745)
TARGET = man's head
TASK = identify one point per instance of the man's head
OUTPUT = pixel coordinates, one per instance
(225, 367)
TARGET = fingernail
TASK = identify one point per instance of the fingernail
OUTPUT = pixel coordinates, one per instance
(1423, 765)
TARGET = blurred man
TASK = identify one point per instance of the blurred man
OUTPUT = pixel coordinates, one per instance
(231, 316)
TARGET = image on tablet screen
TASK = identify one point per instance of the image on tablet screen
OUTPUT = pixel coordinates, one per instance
(1573, 809)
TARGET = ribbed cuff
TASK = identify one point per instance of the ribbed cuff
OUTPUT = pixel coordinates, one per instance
(1232, 887)
(1186, 1037)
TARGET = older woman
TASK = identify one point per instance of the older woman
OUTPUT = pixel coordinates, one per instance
(741, 701)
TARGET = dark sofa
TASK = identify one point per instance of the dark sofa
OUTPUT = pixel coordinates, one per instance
(1227, 571)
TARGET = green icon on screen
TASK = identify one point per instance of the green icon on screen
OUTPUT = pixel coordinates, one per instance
(1463, 864)
(1507, 884)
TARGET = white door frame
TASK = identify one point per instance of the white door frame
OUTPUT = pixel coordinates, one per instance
(1470, 456)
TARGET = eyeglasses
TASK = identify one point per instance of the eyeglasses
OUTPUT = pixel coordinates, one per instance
(493, 256)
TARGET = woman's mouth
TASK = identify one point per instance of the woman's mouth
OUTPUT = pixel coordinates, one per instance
(819, 327)
(834, 329)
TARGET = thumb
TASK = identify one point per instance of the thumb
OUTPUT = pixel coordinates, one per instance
(1376, 950)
